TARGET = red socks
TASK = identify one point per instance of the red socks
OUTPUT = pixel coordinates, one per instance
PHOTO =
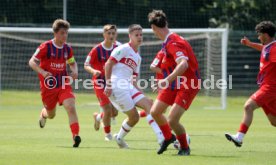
(142, 113)
(243, 128)
(107, 129)
(75, 129)
(183, 141)
(166, 130)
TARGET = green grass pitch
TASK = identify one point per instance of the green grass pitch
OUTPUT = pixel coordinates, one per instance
(22, 142)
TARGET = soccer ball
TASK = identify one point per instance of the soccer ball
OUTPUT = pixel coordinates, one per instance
(176, 143)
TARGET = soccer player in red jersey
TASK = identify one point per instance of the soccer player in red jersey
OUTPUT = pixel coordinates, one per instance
(265, 96)
(94, 65)
(49, 61)
(179, 60)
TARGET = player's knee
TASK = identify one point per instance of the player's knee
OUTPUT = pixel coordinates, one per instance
(172, 122)
(248, 107)
(70, 109)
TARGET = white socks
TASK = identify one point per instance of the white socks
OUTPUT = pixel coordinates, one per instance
(155, 128)
(240, 136)
(124, 130)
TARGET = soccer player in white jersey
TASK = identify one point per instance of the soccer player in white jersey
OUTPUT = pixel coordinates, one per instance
(121, 71)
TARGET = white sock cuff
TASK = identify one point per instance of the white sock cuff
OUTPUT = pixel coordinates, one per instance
(149, 118)
(126, 126)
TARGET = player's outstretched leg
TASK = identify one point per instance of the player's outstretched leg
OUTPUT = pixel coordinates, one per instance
(249, 108)
(146, 104)
(44, 115)
(127, 125)
(69, 105)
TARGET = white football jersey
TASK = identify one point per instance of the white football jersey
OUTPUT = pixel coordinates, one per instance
(127, 62)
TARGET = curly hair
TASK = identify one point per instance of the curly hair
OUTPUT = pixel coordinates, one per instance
(266, 27)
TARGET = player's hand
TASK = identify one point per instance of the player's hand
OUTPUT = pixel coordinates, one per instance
(45, 74)
(74, 75)
(96, 73)
(245, 41)
(108, 91)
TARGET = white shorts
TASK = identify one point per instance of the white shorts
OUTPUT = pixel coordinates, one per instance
(125, 99)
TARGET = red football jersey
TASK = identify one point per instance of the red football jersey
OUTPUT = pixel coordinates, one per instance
(176, 47)
(267, 73)
(157, 63)
(97, 58)
(53, 59)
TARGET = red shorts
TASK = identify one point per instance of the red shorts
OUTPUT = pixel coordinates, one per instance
(50, 97)
(103, 99)
(265, 97)
(182, 97)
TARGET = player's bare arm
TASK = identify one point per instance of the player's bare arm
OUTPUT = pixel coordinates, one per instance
(91, 70)
(108, 70)
(34, 64)
(74, 68)
(245, 41)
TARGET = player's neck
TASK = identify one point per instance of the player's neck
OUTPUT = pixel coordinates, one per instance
(134, 47)
(269, 41)
(164, 33)
(107, 44)
(58, 43)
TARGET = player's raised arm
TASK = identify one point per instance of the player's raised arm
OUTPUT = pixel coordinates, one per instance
(245, 41)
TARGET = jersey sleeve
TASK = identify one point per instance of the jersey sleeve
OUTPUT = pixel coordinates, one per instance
(177, 51)
(158, 59)
(70, 58)
(117, 54)
(273, 54)
(40, 52)
(91, 57)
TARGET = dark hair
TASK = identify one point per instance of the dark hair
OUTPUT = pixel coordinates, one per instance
(59, 24)
(266, 27)
(158, 18)
(134, 27)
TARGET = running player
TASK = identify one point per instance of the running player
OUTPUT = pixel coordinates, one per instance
(94, 65)
(179, 60)
(49, 61)
(123, 63)
(265, 96)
